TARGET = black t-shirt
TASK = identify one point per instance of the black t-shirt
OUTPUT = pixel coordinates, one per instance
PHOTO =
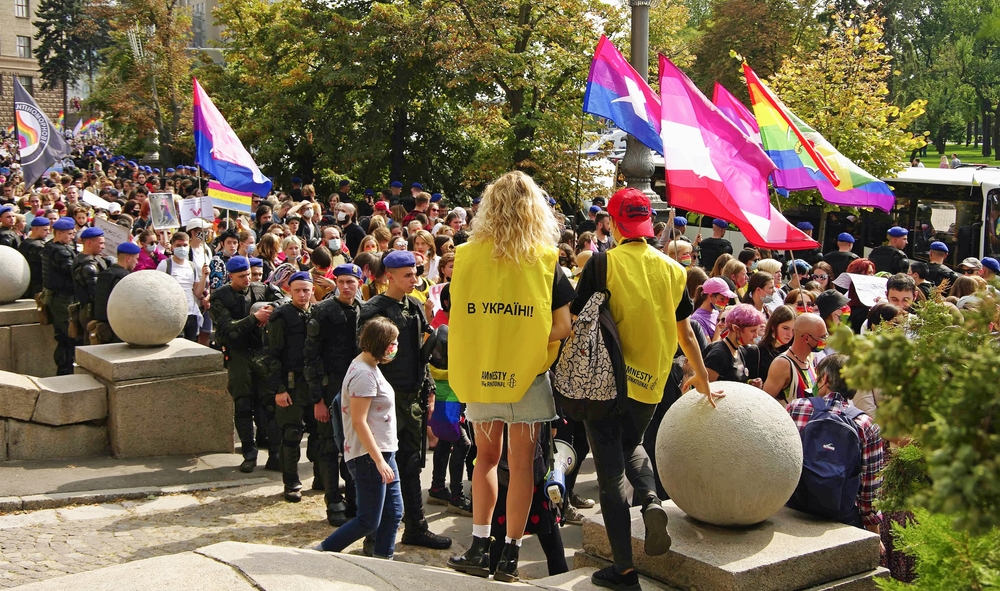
(562, 290)
(839, 261)
(759, 359)
(711, 249)
(730, 367)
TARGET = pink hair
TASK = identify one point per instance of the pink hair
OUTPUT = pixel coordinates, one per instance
(744, 316)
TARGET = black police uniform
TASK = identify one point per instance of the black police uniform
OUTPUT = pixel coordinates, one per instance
(284, 363)
(331, 345)
(710, 249)
(938, 274)
(839, 261)
(8, 237)
(57, 283)
(86, 268)
(410, 380)
(106, 282)
(889, 259)
(238, 333)
(31, 248)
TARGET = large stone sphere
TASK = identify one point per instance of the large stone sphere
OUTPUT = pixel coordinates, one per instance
(15, 275)
(734, 465)
(147, 308)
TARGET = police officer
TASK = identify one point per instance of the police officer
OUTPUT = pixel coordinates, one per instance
(716, 245)
(810, 256)
(331, 345)
(890, 257)
(99, 330)
(238, 331)
(408, 376)
(8, 236)
(842, 257)
(31, 248)
(284, 364)
(937, 271)
(57, 283)
(87, 266)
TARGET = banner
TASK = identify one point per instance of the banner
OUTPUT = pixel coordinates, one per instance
(226, 198)
(113, 236)
(163, 211)
(868, 287)
(94, 201)
(38, 143)
(196, 207)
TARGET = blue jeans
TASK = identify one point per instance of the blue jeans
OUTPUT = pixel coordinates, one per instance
(380, 508)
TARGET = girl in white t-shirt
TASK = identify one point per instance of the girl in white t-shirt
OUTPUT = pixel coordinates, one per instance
(370, 444)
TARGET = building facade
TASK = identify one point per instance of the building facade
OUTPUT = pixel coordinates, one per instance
(17, 60)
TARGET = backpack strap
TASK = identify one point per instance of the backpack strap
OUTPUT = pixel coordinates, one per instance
(601, 270)
(819, 404)
(170, 265)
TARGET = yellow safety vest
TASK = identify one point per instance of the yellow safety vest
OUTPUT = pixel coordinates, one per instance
(646, 286)
(501, 317)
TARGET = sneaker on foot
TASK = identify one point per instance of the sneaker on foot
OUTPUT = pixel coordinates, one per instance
(461, 505)
(438, 496)
(610, 578)
(573, 516)
(654, 518)
(580, 502)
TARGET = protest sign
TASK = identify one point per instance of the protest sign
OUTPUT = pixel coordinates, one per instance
(196, 207)
(868, 287)
(113, 236)
(438, 316)
(163, 211)
(94, 201)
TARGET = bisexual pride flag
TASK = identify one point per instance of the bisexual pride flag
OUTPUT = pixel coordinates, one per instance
(220, 152)
(226, 198)
(804, 158)
(617, 92)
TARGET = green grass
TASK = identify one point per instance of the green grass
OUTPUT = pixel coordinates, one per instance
(968, 155)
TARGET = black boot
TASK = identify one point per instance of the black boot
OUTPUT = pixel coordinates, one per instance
(507, 567)
(476, 560)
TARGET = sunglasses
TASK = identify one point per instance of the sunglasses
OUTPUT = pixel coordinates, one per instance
(968, 271)
(821, 277)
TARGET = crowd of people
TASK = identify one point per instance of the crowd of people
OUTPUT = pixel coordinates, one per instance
(335, 317)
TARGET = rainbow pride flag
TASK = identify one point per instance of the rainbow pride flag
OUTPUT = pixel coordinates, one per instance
(227, 198)
(804, 158)
(60, 121)
(10, 130)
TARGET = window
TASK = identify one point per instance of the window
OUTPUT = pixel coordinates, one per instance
(26, 82)
(21, 8)
(23, 46)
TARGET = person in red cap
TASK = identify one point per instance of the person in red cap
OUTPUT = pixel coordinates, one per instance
(650, 306)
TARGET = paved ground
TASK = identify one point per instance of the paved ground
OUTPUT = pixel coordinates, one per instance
(36, 545)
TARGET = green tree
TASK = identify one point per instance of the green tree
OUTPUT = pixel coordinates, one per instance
(841, 90)
(147, 95)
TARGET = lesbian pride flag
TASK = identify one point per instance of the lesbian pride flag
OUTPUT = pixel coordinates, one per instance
(220, 152)
(615, 91)
(713, 168)
(804, 158)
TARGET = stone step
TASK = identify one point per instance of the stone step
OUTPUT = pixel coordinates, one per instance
(789, 550)
(578, 579)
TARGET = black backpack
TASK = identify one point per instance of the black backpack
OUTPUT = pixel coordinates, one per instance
(590, 372)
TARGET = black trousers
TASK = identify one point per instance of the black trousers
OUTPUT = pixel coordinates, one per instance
(449, 457)
(330, 464)
(616, 442)
(409, 430)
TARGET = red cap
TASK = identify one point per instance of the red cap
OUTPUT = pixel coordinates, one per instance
(632, 213)
(382, 206)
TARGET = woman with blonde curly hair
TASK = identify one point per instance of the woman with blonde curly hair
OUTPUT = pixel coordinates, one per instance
(510, 308)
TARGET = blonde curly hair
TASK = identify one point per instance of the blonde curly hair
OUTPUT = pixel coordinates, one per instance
(515, 216)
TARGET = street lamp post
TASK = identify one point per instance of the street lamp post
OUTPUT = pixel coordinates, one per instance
(637, 163)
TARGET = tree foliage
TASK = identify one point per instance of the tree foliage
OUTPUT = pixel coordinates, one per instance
(841, 90)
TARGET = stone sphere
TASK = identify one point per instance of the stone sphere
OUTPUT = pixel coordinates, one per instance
(734, 465)
(15, 275)
(147, 308)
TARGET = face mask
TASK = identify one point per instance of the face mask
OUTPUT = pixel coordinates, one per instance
(151, 248)
(251, 249)
(686, 260)
(753, 266)
(564, 262)
(420, 270)
(820, 345)
(390, 353)
(181, 252)
(593, 247)
(341, 216)
(308, 213)
(333, 244)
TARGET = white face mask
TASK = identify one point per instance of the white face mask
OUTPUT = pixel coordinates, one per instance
(307, 213)
(341, 216)
(150, 248)
(334, 244)
(181, 252)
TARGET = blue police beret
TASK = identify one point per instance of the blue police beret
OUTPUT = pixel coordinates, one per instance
(5, 209)
(369, 192)
(435, 197)
(344, 182)
(595, 209)
(296, 180)
(396, 185)
(804, 226)
(417, 186)
(300, 276)
(845, 237)
(128, 248)
(171, 170)
(255, 262)
(552, 201)
(237, 264)
(64, 224)
(939, 246)
(680, 221)
(156, 170)
(992, 264)
(132, 163)
(91, 233)
(398, 259)
(720, 223)
(348, 269)
(40, 220)
(897, 232)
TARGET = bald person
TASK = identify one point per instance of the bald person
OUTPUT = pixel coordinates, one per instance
(793, 373)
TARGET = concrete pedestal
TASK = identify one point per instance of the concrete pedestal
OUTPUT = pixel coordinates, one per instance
(26, 347)
(790, 550)
(163, 400)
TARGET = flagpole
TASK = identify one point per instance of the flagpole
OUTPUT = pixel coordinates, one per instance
(791, 256)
